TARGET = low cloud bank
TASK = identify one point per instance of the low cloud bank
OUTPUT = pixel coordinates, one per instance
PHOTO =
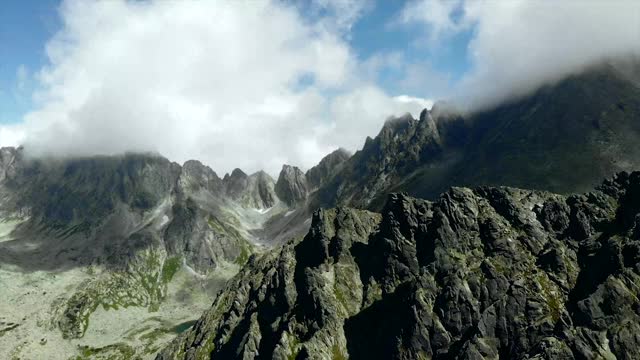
(231, 83)
(517, 46)
(257, 84)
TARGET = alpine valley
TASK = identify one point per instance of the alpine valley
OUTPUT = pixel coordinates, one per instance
(422, 245)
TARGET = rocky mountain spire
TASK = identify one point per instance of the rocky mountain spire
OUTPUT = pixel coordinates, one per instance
(235, 183)
(291, 187)
(262, 193)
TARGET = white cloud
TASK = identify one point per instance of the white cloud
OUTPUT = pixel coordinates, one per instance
(344, 13)
(218, 81)
(438, 15)
(406, 99)
(11, 135)
(518, 45)
(354, 114)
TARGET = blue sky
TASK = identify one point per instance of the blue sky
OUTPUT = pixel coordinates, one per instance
(378, 32)
(26, 26)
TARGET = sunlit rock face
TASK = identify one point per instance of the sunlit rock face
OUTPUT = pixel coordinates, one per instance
(478, 273)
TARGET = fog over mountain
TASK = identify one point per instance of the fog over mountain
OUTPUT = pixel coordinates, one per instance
(230, 83)
(255, 85)
(517, 46)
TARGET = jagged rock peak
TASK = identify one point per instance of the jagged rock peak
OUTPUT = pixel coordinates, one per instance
(292, 187)
(254, 191)
(395, 124)
(328, 166)
(395, 129)
(235, 183)
(261, 174)
(424, 114)
(196, 175)
(478, 273)
(262, 195)
(235, 174)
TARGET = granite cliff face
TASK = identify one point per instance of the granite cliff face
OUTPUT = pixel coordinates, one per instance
(478, 273)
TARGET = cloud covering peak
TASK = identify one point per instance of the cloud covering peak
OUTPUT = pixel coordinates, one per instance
(234, 84)
(516, 46)
(255, 84)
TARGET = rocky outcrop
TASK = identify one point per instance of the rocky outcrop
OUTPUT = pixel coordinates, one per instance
(142, 283)
(292, 185)
(326, 168)
(198, 177)
(261, 193)
(255, 191)
(8, 158)
(403, 145)
(478, 273)
(236, 183)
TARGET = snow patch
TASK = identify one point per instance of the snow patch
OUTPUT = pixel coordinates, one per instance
(289, 213)
(262, 211)
(163, 221)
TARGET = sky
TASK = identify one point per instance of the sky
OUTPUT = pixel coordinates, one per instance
(256, 84)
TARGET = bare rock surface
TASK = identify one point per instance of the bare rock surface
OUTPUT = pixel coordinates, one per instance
(478, 273)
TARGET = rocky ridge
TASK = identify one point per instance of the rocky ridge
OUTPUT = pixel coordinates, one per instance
(478, 273)
(133, 221)
(565, 137)
(318, 175)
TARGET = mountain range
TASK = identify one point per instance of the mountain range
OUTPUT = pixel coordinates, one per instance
(477, 271)
(482, 273)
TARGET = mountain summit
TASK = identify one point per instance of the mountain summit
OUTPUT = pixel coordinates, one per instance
(564, 138)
